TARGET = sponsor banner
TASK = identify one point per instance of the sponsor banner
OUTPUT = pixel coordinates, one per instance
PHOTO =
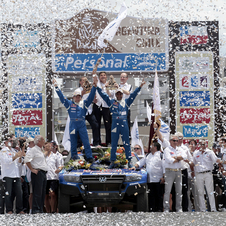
(195, 89)
(139, 44)
(196, 81)
(195, 131)
(28, 117)
(26, 100)
(27, 131)
(194, 64)
(194, 115)
(193, 34)
(110, 62)
(27, 107)
(194, 98)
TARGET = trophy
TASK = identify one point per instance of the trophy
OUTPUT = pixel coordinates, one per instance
(87, 85)
(111, 83)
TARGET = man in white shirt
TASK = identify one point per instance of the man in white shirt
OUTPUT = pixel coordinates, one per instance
(30, 144)
(203, 160)
(185, 165)
(223, 170)
(36, 162)
(11, 160)
(192, 188)
(54, 148)
(100, 107)
(154, 166)
(55, 167)
(173, 158)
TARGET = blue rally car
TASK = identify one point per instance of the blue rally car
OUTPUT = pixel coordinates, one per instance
(98, 186)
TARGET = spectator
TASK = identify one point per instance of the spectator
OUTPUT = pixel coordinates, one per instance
(185, 165)
(154, 166)
(173, 158)
(36, 162)
(204, 160)
(192, 188)
(54, 148)
(11, 160)
(30, 144)
(137, 149)
(222, 184)
(55, 167)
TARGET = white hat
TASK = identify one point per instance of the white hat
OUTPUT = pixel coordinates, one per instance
(29, 140)
(77, 92)
(119, 90)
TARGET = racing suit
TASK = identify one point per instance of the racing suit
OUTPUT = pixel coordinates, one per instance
(119, 110)
(77, 114)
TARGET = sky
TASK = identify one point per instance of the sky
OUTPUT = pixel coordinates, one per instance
(36, 11)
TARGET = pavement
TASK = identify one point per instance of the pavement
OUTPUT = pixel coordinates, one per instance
(116, 219)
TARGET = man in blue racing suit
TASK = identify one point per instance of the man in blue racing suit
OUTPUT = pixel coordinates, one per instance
(119, 109)
(77, 109)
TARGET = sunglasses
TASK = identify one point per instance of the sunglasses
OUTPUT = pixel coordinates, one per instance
(175, 140)
(136, 148)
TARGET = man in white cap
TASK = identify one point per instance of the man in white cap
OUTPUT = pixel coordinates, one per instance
(119, 108)
(77, 109)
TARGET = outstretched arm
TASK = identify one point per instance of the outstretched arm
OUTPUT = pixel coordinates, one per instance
(63, 99)
(133, 95)
(96, 66)
(91, 96)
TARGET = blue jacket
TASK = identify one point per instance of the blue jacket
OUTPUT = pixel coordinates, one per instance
(76, 112)
(119, 109)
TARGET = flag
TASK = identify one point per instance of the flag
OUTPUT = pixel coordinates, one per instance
(148, 112)
(193, 34)
(66, 142)
(164, 130)
(55, 138)
(156, 108)
(156, 98)
(109, 32)
(135, 133)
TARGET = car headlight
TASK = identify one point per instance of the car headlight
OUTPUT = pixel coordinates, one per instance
(72, 178)
(134, 177)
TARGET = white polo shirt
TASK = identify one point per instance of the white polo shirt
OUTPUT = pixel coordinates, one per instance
(53, 163)
(169, 153)
(37, 159)
(10, 168)
(185, 149)
(204, 161)
(154, 166)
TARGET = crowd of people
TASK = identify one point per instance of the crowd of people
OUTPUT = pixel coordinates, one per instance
(180, 177)
(29, 175)
(183, 177)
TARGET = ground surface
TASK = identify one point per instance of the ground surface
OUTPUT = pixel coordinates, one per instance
(117, 219)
